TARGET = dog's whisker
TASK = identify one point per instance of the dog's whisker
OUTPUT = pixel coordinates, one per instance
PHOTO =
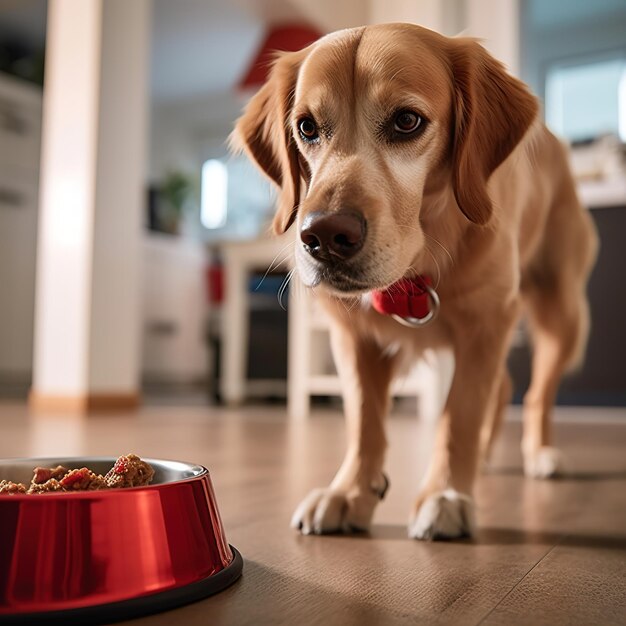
(436, 265)
(343, 304)
(353, 305)
(275, 263)
(427, 235)
(442, 247)
(283, 288)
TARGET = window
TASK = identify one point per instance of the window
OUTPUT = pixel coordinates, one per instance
(236, 200)
(214, 198)
(587, 100)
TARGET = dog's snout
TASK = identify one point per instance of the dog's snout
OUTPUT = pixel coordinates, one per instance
(330, 236)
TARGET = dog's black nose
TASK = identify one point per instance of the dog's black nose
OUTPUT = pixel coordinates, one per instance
(333, 236)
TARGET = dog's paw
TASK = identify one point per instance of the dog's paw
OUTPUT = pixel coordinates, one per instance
(445, 515)
(545, 463)
(326, 511)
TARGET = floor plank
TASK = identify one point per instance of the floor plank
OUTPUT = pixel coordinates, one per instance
(572, 584)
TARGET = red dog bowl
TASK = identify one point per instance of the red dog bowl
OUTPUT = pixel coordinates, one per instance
(100, 556)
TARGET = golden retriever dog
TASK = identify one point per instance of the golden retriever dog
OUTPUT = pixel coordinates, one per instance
(402, 155)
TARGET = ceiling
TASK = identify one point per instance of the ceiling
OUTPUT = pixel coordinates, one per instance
(200, 47)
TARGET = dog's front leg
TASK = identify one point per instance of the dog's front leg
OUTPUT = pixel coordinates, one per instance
(444, 508)
(348, 503)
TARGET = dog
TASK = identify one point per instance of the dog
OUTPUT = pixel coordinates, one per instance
(415, 168)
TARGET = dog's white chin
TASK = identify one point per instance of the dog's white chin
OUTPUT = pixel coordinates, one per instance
(347, 294)
(340, 288)
(345, 287)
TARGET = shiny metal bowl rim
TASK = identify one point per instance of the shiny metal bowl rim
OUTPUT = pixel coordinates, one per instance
(175, 472)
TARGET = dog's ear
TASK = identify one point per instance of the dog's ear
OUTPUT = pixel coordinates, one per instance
(493, 111)
(263, 133)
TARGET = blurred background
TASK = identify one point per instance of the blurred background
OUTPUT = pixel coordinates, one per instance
(135, 264)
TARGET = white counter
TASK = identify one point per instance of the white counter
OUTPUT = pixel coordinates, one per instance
(595, 195)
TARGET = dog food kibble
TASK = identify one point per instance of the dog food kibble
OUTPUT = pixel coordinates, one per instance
(83, 480)
(43, 474)
(50, 485)
(6, 486)
(128, 471)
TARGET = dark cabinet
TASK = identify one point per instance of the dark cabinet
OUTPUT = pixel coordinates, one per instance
(602, 378)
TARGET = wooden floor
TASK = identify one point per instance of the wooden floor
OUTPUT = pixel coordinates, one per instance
(546, 553)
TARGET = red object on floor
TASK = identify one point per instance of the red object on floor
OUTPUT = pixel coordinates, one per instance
(215, 283)
(286, 38)
(407, 298)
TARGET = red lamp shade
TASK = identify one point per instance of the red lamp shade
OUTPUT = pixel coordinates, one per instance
(288, 38)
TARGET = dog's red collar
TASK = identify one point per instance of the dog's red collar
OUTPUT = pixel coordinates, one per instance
(410, 301)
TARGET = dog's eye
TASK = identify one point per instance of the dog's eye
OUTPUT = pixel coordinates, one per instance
(407, 122)
(308, 129)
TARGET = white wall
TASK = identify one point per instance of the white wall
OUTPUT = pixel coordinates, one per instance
(182, 136)
(186, 134)
(498, 25)
(183, 132)
(174, 310)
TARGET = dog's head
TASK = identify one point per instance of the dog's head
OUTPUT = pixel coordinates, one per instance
(364, 125)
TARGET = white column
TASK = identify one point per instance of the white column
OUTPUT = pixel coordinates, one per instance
(300, 329)
(330, 15)
(443, 16)
(496, 22)
(498, 25)
(235, 326)
(91, 200)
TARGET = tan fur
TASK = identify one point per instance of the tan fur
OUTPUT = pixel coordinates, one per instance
(482, 201)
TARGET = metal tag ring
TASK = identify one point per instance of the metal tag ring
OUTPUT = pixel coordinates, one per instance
(417, 322)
